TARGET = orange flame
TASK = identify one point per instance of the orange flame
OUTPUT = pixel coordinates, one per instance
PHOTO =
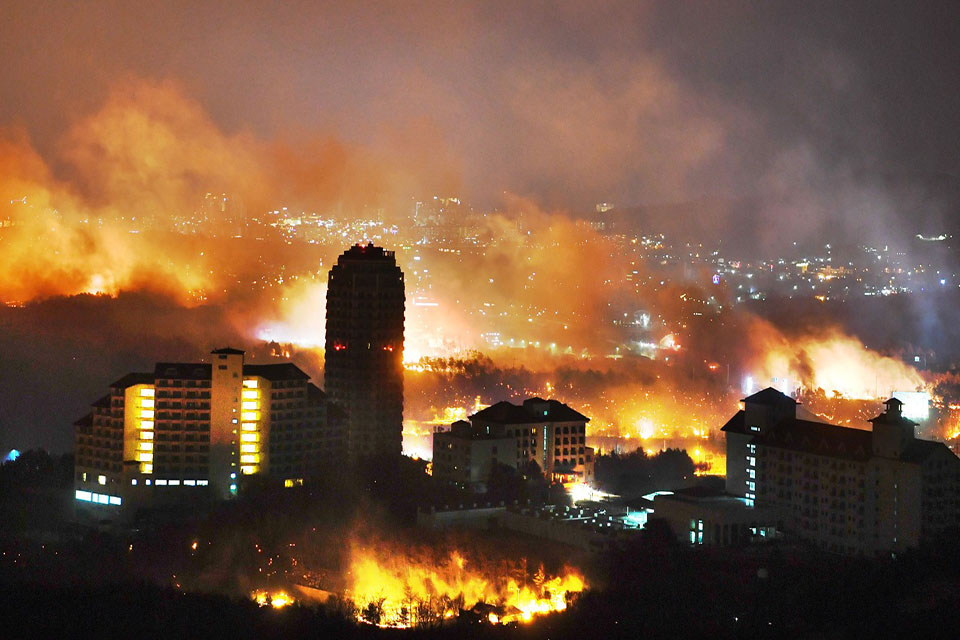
(399, 591)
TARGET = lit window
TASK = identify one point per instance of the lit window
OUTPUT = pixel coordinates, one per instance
(233, 488)
(146, 446)
(161, 483)
(249, 459)
(146, 435)
(174, 483)
(146, 468)
(248, 470)
(101, 479)
(250, 384)
(146, 424)
(86, 496)
(146, 413)
(250, 405)
(248, 426)
(202, 483)
(133, 481)
(251, 416)
(144, 457)
(249, 448)
(84, 477)
(146, 403)
(249, 437)
(147, 481)
(115, 500)
(190, 483)
(147, 392)
(249, 394)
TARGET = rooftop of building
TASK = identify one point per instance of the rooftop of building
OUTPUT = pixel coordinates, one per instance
(736, 424)
(132, 379)
(275, 372)
(182, 370)
(919, 450)
(102, 403)
(461, 429)
(893, 414)
(366, 252)
(533, 410)
(824, 439)
(203, 371)
(228, 351)
(85, 421)
(700, 495)
(818, 438)
(769, 396)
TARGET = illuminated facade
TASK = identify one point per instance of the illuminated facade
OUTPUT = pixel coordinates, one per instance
(363, 361)
(195, 431)
(849, 491)
(543, 431)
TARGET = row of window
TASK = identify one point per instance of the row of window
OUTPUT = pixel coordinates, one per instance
(98, 498)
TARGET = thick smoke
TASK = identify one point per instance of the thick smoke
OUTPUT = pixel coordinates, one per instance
(96, 224)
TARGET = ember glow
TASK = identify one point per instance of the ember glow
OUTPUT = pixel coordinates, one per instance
(407, 590)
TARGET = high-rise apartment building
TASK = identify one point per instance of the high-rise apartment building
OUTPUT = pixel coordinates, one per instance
(849, 491)
(192, 430)
(363, 369)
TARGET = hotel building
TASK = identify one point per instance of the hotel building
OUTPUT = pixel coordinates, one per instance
(199, 431)
(849, 491)
(547, 432)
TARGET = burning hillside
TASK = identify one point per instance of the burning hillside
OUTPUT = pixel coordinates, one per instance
(419, 583)
(421, 589)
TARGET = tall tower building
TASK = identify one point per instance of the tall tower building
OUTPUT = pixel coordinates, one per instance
(363, 369)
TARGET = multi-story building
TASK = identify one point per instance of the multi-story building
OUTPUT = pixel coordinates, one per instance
(363, 362)
(466, 455)
(199, 431)
(847, 490)
(547, 432)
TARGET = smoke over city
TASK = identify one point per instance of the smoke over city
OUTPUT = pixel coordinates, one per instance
(143, 160)
(104, 184)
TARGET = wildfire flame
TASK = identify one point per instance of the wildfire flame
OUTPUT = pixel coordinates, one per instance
(275, 599)
(399, 591)
(838, 364)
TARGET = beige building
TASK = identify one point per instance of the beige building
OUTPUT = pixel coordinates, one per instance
(849, 491)
(195, 431)
(547, 432)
